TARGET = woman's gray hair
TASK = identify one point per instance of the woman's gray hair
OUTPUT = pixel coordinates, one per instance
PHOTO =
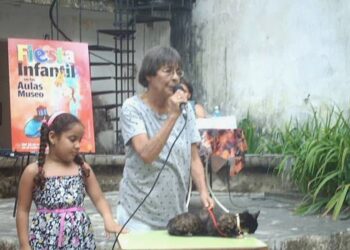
(154, 59)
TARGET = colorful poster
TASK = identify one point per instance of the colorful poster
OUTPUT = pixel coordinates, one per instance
(46, 77)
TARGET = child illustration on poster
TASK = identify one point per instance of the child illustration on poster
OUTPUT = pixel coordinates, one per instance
(47, 77)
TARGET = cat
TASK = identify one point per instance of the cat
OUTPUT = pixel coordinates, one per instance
(206, 223)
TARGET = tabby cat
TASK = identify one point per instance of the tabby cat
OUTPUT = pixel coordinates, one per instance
(206, 223)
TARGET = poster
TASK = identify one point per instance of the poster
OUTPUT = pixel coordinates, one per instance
(45, 77)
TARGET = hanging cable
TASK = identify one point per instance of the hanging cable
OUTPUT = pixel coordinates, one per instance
(154, 184)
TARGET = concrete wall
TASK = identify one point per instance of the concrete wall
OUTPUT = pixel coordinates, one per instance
(21, 20)
(273, 58)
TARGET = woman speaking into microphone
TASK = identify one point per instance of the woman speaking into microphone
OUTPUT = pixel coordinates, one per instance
(160, 147)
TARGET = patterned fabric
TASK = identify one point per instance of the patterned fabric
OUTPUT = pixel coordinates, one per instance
(61, 193)
(227, 144)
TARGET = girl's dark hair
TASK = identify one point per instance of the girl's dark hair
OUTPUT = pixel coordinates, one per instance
(62, 123)
(188, 85)
(154, 59)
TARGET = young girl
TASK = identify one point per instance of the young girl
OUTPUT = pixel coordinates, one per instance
(57, 185)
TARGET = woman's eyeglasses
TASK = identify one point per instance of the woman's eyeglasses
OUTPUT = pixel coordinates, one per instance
(171, 71)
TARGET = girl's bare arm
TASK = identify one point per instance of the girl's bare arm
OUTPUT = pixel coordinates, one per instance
(97, 197)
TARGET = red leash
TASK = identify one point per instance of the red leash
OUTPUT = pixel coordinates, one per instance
(210, 210)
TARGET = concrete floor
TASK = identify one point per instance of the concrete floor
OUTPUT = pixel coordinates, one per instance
(278, 226)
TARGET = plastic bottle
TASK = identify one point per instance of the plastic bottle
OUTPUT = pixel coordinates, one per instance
(216, 112)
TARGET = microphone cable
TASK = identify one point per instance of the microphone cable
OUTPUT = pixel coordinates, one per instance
(154, 184)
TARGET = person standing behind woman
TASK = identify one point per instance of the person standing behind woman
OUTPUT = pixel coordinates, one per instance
(188, 89)
(57, 185)
(150, 123)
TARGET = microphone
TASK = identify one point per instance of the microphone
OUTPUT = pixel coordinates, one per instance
(182, 104)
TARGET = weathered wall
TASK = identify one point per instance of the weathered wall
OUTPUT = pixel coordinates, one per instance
(271, 57)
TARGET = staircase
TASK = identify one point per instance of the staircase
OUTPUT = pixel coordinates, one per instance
(119, 83)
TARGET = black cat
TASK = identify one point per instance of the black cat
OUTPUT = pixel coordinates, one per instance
(206, 223)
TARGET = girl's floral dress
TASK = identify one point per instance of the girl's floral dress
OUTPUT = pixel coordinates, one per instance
(61, 221)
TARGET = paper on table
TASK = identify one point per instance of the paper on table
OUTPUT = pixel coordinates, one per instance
(220, 122)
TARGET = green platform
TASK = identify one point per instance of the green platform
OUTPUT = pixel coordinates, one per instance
(155, 240)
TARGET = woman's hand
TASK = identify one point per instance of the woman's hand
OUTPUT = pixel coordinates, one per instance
(174, 102)
(207, 201)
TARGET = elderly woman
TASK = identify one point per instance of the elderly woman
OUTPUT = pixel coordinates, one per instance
(151, 122)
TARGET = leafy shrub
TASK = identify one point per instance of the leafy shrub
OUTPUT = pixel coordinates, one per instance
(320, 148)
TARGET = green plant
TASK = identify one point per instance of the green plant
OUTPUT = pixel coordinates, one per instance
(321, 152)
(251, 133)
(320, 149)
(281, 141)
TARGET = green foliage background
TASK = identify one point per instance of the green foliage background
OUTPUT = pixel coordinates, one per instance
(320, 149)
